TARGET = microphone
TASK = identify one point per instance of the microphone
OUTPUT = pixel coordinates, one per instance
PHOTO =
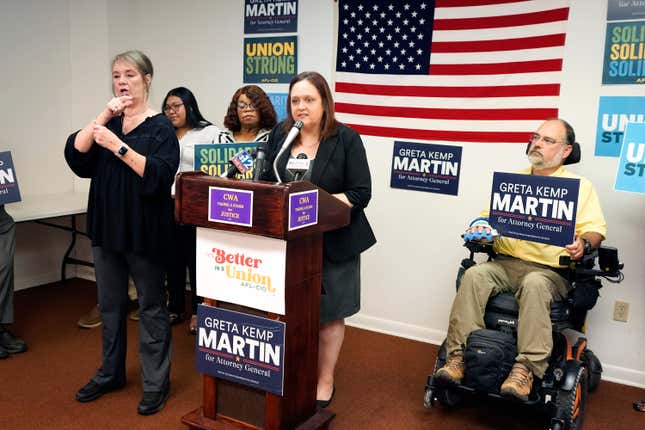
(240, 162)
(260, 159)
(298, 166)
(293, 133)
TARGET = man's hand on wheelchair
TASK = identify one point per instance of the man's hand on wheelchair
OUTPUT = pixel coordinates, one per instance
(480, 231)
(576, 249)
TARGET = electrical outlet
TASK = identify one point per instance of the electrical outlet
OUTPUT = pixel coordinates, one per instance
(621, 310)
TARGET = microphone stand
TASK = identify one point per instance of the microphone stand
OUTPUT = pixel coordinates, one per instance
(287, 141)
(275, 163)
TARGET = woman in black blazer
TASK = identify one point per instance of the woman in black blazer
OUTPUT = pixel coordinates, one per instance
(338, 165)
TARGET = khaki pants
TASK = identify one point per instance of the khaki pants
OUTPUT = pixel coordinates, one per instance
(534, 286)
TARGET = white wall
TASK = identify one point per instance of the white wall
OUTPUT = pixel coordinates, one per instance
(408, 277)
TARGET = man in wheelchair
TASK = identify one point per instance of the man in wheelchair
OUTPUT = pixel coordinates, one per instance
(530, 270)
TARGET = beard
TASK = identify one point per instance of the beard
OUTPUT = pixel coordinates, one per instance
(536, 158)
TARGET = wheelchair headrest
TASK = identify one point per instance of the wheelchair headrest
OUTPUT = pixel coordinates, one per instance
(574, 156)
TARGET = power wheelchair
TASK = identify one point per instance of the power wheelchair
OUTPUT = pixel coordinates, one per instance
(574, 370)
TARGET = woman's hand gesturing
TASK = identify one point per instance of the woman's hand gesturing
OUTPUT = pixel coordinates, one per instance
(117, 105)
(104, 137)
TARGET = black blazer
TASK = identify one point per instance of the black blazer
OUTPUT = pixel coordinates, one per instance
(340, 167)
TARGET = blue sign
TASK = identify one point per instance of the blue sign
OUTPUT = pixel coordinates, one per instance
(240, 348)
(624, 53)
(631, 167)
(534, 208)
(9, 192)
(625, 9)
(426, 167)
(279, 102)
(613, 115)
(270, 16)
(270, 60)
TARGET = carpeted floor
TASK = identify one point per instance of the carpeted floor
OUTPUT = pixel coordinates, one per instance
(380, 380)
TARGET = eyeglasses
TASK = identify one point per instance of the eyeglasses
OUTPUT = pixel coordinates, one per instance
(242, 106)
(174, 108)
(535, 137)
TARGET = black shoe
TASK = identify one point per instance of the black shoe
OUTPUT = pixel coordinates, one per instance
(324, 403)
(152, 402)
(3, 353)
(10, 343)
(175, 318)
(639, 406)
(92, 391)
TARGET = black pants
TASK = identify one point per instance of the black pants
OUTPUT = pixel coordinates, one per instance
(7, 251)
(112, 270)
(184, 258)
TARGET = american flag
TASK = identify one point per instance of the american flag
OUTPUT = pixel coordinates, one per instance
(449, 70)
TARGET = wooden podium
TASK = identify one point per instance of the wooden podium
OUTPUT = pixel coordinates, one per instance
(228, 405)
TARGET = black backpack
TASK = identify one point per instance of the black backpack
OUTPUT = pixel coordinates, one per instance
(489, 357)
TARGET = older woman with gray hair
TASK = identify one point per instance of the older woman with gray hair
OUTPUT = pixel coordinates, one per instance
(131, 153)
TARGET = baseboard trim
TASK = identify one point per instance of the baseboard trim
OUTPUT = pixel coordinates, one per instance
(23, 283)
(396, 328)
(622, 375)
(85, 272)
(611, 373)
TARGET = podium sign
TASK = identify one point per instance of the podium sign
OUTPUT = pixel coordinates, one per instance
(230, 206)
(240, 348)
(242, 269)
(303, 209)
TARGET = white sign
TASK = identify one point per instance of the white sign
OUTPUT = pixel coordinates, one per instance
(241, 268)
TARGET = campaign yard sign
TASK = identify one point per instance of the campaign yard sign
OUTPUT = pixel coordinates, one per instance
(631, 167)
(426, 167)
(241, 348)
(625, 9)
(270, 60)
(214, 160)
(624, 53)
(270, 16)
(534, 208)
(279, 102)
(614, 113)
(9, 192)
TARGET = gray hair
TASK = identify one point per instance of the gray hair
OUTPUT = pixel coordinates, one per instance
(139, 60)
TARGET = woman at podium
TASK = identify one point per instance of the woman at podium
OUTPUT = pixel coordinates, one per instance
(337, 164)
(131, 153)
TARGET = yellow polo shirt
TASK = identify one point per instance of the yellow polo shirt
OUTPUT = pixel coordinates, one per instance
(589, 218)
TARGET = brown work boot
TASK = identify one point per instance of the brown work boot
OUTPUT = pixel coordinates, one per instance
(453, 370)
(91, 319)
(519, 382)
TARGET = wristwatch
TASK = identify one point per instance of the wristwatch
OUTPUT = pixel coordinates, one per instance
(587, 248)
(122, 150)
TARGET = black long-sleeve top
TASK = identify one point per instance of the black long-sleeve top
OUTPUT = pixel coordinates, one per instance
(126, 212)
